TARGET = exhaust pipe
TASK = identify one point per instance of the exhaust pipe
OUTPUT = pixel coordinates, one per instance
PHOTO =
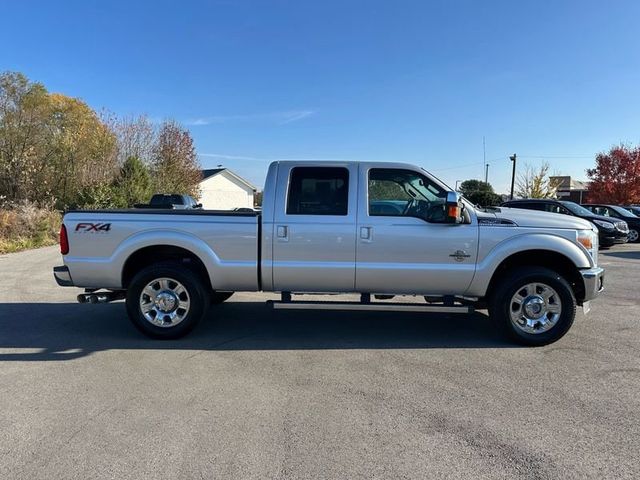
(103, 297)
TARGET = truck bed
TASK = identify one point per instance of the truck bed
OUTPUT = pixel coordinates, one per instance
(101, 242)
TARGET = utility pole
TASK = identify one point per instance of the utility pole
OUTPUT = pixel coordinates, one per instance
(513, 173)
(484, 160)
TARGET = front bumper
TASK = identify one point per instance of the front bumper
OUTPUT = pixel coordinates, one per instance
(62, 276)
(593, 279)
(609, 240)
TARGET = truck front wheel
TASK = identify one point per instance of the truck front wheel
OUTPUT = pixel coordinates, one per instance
(535, 305)
(166, 300)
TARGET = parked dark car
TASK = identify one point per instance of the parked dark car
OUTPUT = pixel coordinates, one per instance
(611, 230)
(635, 209)
(616, 212)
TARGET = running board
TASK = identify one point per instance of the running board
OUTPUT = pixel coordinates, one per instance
(373, 306)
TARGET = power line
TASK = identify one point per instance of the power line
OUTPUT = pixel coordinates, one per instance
(474, 164)
(557, 156)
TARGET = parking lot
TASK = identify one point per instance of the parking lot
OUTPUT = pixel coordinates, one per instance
(253, 393)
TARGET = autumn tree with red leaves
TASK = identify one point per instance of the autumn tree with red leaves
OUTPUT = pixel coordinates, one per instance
(616, 177)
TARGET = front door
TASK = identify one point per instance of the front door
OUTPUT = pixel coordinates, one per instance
(403, 244)
(314, 231)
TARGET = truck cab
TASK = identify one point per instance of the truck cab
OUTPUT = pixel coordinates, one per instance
(364, 227)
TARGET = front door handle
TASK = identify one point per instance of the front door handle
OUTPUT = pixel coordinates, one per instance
(365, 233)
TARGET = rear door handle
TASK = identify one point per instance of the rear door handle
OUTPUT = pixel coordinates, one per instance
(365, 233)
(282, 232)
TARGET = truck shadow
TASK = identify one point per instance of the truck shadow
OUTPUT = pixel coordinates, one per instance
(66, 331)
(623, 254)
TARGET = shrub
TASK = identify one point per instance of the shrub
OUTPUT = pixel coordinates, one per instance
(27, 226)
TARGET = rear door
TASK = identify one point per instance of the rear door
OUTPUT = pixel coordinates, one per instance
(314, 239)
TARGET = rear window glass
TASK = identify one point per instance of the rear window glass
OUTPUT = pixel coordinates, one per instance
(318, 191)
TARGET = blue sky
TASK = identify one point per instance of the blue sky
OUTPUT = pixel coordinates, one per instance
(414, 81)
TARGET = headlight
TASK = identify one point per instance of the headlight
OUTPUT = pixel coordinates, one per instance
(589, 240)
(603, 224)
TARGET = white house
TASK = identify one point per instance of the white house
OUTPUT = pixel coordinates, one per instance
(221, 189)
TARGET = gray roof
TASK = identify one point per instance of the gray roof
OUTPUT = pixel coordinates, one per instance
(210, 172)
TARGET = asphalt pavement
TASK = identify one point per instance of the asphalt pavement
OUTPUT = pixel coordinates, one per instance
(254, 393)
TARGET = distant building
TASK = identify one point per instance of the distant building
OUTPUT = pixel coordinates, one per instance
(569, 189)
(221, 189)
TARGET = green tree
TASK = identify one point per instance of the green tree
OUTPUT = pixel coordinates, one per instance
(134, 184)
(175, 166)
(480, 193)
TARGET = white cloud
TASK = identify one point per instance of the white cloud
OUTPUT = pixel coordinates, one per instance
(279, 118)
(222, 156)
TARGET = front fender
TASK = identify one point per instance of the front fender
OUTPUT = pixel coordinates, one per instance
(521, 243)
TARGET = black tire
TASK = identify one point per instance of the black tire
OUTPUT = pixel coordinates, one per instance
(197, 295)
(500, 304)
(218, 297)
(636, 235)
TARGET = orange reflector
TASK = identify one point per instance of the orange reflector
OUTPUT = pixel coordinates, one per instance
(585, 241)
(454, 211)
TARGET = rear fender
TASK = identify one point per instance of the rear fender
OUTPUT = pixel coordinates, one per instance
(172, 238)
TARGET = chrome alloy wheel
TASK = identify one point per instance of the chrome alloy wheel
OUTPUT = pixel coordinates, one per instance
(633, 235)
(164, 302)
(535, 308)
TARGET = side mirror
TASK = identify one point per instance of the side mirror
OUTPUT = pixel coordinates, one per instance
(453, 208)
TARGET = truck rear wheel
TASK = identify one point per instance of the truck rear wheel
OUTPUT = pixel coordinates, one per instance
(534, 305)
(166, 300)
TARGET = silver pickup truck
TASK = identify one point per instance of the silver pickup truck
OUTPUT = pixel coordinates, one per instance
(377, 229)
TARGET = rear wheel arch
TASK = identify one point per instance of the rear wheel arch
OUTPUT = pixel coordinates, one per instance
(157, 254)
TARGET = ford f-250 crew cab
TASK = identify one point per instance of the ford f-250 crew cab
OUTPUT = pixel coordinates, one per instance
(377, 229)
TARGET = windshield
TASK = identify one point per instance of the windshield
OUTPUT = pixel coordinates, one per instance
(634, 210)
(576, 209)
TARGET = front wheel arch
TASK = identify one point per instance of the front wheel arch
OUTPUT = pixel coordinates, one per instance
(554, 261)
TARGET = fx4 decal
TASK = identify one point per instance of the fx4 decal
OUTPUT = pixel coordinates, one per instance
(93, 227)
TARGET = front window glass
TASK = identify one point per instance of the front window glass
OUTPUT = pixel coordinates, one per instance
(396, 193)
